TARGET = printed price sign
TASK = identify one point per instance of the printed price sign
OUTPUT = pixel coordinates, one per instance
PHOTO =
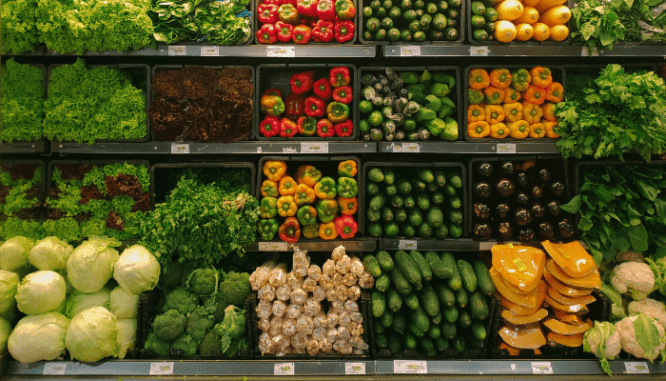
(177, 51)
(289, 150)
(210, 50)
(636, 367)
(273, 246)
(180, 148)
(407, 51)
(407, 147)
(406, 366)
(354, 368)
(542, 368)
(320, 147)
(405, 244)
(55, 368)
(506, 148)
(475, 51)
(161, 368)
(281, 51)
(284, 369)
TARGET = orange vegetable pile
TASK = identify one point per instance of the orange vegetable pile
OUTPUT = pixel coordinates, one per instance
(538, 20)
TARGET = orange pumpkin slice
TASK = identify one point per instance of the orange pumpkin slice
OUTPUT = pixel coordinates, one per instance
(571, 257)
(575, 309)
(572, 341)
(515, 289)
(522, 320)
(587, 299)
(563, 288)
(567, 318)
(565, 329)
(523, 337)
(591, 280)
(521, 266)
(531, 300)
(512, 351)
(515, 308)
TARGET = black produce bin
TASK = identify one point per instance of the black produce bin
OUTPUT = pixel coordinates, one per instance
(554, 163)
(456, 94)
(255, 108)
(559, 75)
(277, 76)
(44, 82)
(139, 75)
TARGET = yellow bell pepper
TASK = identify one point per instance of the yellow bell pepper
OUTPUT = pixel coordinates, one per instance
(328, 231)
(287, 206)
(494, 96)
(274, 169)
(499, 131)
(494, 114)
(475, 113)
(511, 95)
(519, 129)
(513, 112)
(269, 188)
(287, 186)
(479, 129)
(537, 130)
(549, 111)
(531, 113)
(550, 129)
(304, 195)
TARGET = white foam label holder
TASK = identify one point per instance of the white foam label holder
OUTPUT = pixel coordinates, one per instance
(407, 147)
(180, 148)
(542, 368)
(476, 51)
(210, 50)
(506, 148)
(281, 51)
(636, 367)
(406, 366)
(314, 147)
(409, 51)
(161, 368)
(55, 368)
(405, 244)
(354, 368)
(283, 369)
(273, 246)
(177, 50)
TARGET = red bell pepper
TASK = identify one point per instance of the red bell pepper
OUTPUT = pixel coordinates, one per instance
(315, 107)
(288, 13)
(274, 2)
(270, 126)
(345, 226)
(325, 128)
(267, 13)
(301, 82)
(326, 10)
(266, 34)
(273, 92)
(323, 31)
(292, 2)
(307, 7)
(301, 34)
(343, 94)
(344, 30)
(295, 106)
(307, 125)
(284, 31)
(345, 9)
(322, 89)
(290, 230)
(345, 128)
(288, 128)
(339, 76)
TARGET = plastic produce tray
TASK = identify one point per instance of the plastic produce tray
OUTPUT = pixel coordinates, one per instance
(559, 75)
(270, 76)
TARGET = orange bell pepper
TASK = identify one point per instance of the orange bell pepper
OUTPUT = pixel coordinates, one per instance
(550, 129)
(479, 129)
(475, 113)
(535, 95)
(513, 112)
(555, 92)
(478, 79)
(494, 96)
(541, 77)
(269, 188)
(511, 95)
(274, 169)
(499, 131)
(500, 78)
(537, 130)
(347, 168)
(287, 186)
(308, 175)
(328, 231)
(531, 113)
(549, 111)
(494, 114)
(519, 129)
(304, 195)
(348, 206)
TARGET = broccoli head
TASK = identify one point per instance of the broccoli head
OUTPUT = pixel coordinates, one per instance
(203, 281)
(181, 300)
(210, 343)
(198, 323)
(231, 327)
(186, 344)
(169, 325)
(236, 345)
(235, 288)
(157, 345)
(171, 276)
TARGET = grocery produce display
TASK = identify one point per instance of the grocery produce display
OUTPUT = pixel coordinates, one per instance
(401, 104)
(518, 104)
(429, 304)
(404, 202)
(311, 310)
(21, 195)
(309, 204)
(22, 101)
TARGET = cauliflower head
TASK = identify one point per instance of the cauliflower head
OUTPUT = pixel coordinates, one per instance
(181, 300)
(169, 325)
(235, 288)
(652, 308)
(203, 281)
(198, 323)
(157, 345)
(603, 341)
(641, 336)
(635, 278)
(187, 344)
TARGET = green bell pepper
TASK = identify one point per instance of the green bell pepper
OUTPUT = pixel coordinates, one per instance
(446, 79)
(439, 89)
(325, 188)
(425, 114)
(307, 215)
(435, 126)
(451, 130)
(409, 77)
(475, 97)
(326, 210)
(347, 187)
(337, 112)
(434, 103)
(425, 77)
(268, 207)
(268, 228)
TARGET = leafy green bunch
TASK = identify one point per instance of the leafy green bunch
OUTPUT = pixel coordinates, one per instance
(21, 111)
(17, 200)
(18, 26)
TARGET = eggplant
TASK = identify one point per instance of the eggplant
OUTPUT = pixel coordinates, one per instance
(546, 231)
(503, 210)
(544, 175)
(566, 228)
(522, 199)
(538, 212)
(481, 211)
(505, 231)
(482, 190)
(482, 232)
(554, 208)
(536, 192)
(522, 179)
(485, 169)
(508, 168)
(523, 216)
(557, 188)
(525, 234)
(505, 187)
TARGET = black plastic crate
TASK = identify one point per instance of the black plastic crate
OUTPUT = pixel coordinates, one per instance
(44, 82)
(456, 94)
(255, 106)
(559, 75)
(277, 76)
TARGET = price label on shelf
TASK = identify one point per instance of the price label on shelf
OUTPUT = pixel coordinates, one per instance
(55, 368)
(407, 147)
(636, 367)
(161, 368)
(542, 368)
(314, 147)
(289, 150)
(284, 369)
(407, 366)
(405, 244)
(180, 148)
(476, 51)
(273, 246)
(281, 51)
(354, 368)
(506, 148)
(210, 51)
(409, 51)
(177, 50)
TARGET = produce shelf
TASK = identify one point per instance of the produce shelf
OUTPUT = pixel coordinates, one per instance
(352, 245)
(518, 51)
(458, 244)
(546, 147)
(39, 146)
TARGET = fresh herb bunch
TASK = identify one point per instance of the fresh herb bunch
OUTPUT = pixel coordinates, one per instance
(200, 223)
(616, 112)
(22, 100)
(621, 208)
(20, 204)
(19, 26)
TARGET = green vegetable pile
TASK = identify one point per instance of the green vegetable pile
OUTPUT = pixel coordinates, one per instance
(613, 113)
(429, 301)
(18, 26)
(414, 203)
(20, 210)
(22, 101)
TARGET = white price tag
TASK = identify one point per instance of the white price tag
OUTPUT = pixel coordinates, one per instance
(289, 150)
(273, 246)
(636, 367)
(314, 147)
(180, 148)
(284, 369)
(585, 52)
(281, 51)
(161, 368)
(475, 51)
(407, 147)
(542, 368)
(405, 244)
(513, 367)
(506, 148)
(354, 368)
(55, 368)
(210, 50)
(177, 50)
(407, 51)
(407, 366)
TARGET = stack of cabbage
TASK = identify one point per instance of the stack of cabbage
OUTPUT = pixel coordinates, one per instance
(67, 300)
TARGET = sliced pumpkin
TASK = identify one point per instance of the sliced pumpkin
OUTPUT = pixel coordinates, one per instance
(531, 300)
(515, 289)
(521, 266)
(567, 318)
(575, 309)
(573, 341)
(591, 280)
(515, 308)
(587, 299)
(572, 258)
(522, 320)
(563, 289)
(565, 329)
(523, 337)
(512, 351)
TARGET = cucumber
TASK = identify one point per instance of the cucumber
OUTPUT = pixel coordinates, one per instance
(441, 344)
(397, 201)
(473, 343)
(416, 331)
(372, 189)
(429, 300)
(421, 319)
(437, 319)
(372, 266)
(434, 331)
(426, 175)
(467, 275)
(478, 330)
(387, 214)
(446, 296)
(387, 319)
(394, 344)
(393, 300)
(454, 282)
(436, 265)
(390, 190)
(378, 304)
(486, 285)
(385, 260)
(423, 266)
(381, 341)
(377, 202)
(404, 186)
(464, 320)
(459, 344)
(383, 282)
(409, 202)
(373, 215)
(449, 330)
(400, 283)
(440, 178)
(412, 302)
(408, 268)
(410, 341)
(400, 322)
(451, 314)
(400, 215)
(478, 307)
(427, 346)
(389, 176)
(377, 326)
(376, 175)
(462, 298)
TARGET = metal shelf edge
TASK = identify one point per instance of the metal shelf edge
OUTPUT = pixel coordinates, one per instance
(523, 50)
(461, 147)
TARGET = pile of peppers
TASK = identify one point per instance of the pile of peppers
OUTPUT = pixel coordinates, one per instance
(302, 21)
(320, 107)
(308, 204)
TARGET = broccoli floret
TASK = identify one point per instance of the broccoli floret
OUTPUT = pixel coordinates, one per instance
(186, 344)
(203, 281)
(171, 276)
(236, 345)
(169, 325)
(235, 288)
(210, 343)
(198, 322)
(231, 327)
(157, 345)
(180, 300)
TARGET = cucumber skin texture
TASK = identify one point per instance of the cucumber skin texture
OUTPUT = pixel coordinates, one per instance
(394, 300)
(464, 320)
(394, 343)
(421, 319)
(412, 302)
(449, 330)
(372, 266)
(462, 298)
(410, 340)
(387, 319)
(400, 283)
(478, 330)
(378, 304)
(441, 343)
(486, 285)
(423, 266)
(408, 268)
(430, 300)
(446, 296)
(454, 282)
(451, 314)
(399, 322)
(377, 326)
(438, 268)
(385, 260)
(478, 306)
(467, 275)
(381, 341)
(383, 283)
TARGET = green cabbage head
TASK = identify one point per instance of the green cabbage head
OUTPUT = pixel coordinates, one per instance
(50, 254)
(137, 270)
(41, 291)
(38, 337)
(126, 336)
(79, 301)
(8, 284)
(14, 253)
(5, 331)
(123, 304)
(92, 335)
(90, 265)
